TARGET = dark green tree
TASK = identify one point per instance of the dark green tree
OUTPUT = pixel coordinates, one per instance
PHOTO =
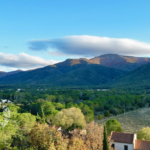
(105, 141)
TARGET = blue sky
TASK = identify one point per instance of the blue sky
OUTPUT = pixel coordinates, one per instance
(35, 33)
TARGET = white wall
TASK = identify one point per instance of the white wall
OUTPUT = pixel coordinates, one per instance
(120, 146)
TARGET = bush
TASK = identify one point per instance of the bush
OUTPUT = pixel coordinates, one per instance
(107, 113)
(144, 134)
(100, 116)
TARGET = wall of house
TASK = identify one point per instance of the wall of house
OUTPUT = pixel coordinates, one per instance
(120, 146)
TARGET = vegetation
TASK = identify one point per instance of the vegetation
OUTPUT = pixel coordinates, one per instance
(70, 118)
(105, 141)
(144, 134)
(34, 109)
(131, 121)
(75, 75)
(113, 125)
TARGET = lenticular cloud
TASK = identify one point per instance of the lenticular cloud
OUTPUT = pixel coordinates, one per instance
(23, 60)
(92, 46)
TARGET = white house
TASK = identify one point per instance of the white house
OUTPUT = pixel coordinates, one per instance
(127, 141)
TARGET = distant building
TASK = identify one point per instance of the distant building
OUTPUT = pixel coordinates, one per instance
(103, 90)
(56, 127)
(18, 90)
(127, 141)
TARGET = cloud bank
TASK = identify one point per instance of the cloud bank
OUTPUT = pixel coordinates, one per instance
(22, 61)
(88, 46)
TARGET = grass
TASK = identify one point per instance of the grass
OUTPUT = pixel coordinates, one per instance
(131, 121)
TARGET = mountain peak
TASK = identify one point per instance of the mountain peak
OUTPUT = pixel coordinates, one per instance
(109, 55)
(126, 63)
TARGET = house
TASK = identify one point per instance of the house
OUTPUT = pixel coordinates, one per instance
(127, 141)
(122, 141)
(142, 145)
(56, 127)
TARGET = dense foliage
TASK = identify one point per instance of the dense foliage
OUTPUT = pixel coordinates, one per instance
(144, 134)
(32, 107)
(113, 125)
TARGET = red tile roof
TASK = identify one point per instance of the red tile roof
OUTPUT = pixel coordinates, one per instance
(142, 145)
(122, 137)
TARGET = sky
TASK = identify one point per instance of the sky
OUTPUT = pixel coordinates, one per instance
(37, 33)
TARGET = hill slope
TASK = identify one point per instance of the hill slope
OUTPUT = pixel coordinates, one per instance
(126, 63)
(3, 74)
(95, 71)
(138, 77)
(62, 75)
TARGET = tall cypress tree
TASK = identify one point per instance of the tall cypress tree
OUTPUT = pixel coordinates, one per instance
(43, 115)
(105, 141)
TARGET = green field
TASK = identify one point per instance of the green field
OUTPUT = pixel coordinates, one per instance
(132, 121)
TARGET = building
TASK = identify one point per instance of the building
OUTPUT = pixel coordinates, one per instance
(127, 141)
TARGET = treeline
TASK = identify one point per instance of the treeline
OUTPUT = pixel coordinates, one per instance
(91, 102)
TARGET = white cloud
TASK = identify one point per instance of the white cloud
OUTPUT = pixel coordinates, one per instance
(9, 62)
(88, 46)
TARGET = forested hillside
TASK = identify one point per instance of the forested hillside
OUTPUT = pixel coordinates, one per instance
(62, 75)
(103, 70)
(139, 77)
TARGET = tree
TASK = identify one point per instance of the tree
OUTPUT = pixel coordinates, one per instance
(46, 138)
(77, 144)
(93, 138)
(105, 141)
(144, 134)
(113, 125)
(50, 98)
(107, 113)
(6, 134)
(67, 118)
(100, 116)
(25, 121)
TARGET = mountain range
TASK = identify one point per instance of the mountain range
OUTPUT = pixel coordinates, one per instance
(109, 68)
(3, 74)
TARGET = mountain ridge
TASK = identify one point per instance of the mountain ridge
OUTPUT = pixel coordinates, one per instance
(95, 71)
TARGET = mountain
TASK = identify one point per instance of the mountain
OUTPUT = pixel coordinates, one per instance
(126, 63)
(110, 68)
(3, 74)
(139, 77)
(81, 72)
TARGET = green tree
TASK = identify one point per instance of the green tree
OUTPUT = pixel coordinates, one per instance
(144, 134)
(113, 125)
(50, 98)
(107, 113)
(67, 118)
(105, 140)
(6, 133)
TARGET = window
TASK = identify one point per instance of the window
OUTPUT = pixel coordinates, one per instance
(113, 146)
(125, 147)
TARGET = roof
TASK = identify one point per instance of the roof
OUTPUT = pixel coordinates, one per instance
(56, 127)
(142, 145)
(122, 137)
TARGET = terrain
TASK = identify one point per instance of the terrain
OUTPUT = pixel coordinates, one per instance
(126, 63)
(79, 75)
(116, 70)
(131, 121)
(138, 77)
(3, 74)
